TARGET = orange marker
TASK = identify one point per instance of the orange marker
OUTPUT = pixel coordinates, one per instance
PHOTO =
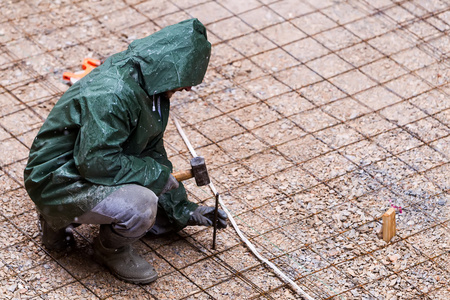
(88, 65)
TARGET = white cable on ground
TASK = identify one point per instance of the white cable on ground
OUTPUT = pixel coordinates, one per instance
(277, 271)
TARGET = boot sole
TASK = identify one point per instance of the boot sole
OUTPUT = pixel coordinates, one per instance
(137, 281)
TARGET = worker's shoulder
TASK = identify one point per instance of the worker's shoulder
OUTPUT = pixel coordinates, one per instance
(108, 84)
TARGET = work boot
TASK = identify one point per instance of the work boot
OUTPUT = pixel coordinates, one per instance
(58, 240)
(123, 261)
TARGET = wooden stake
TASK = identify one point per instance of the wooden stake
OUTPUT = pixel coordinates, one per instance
(389, 228)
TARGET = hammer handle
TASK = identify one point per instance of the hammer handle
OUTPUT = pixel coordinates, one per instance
(183, 175)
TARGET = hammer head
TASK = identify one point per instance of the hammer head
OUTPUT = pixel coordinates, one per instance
(199, 171)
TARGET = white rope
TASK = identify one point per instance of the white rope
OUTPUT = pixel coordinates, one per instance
(277, 271)
(184, 137)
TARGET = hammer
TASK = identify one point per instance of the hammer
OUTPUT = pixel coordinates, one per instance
(198, 171)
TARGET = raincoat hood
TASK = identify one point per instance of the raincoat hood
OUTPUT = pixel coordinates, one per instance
(177, 56)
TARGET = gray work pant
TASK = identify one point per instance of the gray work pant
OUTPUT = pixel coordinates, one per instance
(130, 211)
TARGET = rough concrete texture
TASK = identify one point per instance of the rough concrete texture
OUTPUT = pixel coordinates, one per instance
(315, 117)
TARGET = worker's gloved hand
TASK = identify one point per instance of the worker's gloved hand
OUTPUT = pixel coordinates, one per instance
(172, 183)
(204, 215)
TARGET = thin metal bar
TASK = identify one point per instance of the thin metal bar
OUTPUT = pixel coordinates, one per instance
(216, 211)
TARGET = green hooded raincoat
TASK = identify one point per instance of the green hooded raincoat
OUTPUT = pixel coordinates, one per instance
(107, 129)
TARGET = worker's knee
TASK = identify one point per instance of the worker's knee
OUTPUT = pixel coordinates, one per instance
(139, 215)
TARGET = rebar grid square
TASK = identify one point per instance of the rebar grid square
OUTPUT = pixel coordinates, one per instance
(314, 117)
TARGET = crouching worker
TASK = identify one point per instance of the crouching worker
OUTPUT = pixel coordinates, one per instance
(99, 158)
